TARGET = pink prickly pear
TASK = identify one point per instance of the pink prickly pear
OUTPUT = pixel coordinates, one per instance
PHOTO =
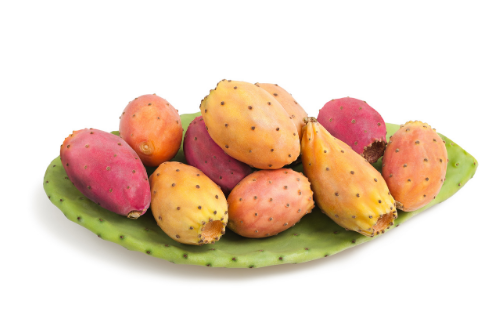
(414, 165)
(203, 153)
(107, 171)
(268, 202)
(357, 124)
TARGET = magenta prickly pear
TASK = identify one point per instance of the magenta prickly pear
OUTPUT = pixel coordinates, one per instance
(107, 171)
(203, 153)
(357, 124)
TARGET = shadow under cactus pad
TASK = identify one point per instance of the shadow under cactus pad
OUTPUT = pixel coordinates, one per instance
(316, 236)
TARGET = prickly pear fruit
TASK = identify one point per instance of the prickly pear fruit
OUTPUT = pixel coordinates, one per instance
(267, 202)
(152, 127)
(203, 153)
(294, 110)
(346, 187)
(414, 165)
(107, 171)
(357, 124)
(187, 205)
(250, 125)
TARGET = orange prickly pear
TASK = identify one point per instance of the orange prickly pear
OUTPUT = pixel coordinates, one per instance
(414, 165)
(187, 205)
(250, 125)
(346, 187)
(296, 113)
(152, 127)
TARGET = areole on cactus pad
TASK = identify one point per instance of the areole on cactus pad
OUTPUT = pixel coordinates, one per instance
(316, 236)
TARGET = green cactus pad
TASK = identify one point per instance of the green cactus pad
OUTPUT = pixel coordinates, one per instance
(316, 236)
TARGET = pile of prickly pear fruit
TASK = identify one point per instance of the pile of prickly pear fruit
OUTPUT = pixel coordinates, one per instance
(238, 154)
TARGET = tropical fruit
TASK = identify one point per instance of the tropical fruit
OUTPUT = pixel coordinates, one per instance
(187, 205)
(346, 187)
(267, 202)
(357, 124)
(152, 127)
(203, 153)
(250, 125)
(414, 165)
(107, 171)
(294, 110)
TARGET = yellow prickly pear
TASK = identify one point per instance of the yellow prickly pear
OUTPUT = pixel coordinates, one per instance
(346, 187)
(250, 125)
(187, 205)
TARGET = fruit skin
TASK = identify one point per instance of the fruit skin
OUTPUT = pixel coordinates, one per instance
(357, 124)
(268, 202)
(346, 187)
(107, 171)
(414, 165)
(250, 125)
(187, 205)
(152, 127)
(203, 153)
(296, 113)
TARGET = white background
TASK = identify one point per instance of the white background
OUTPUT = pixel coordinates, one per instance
(66, 66)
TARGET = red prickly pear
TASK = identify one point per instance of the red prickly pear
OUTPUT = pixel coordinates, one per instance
(107, 171)
(414, 165)
(203, 153)
(357, 124)
(152, 127)
(267, 202)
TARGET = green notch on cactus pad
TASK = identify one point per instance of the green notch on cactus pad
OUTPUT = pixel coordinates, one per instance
(316, 236)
